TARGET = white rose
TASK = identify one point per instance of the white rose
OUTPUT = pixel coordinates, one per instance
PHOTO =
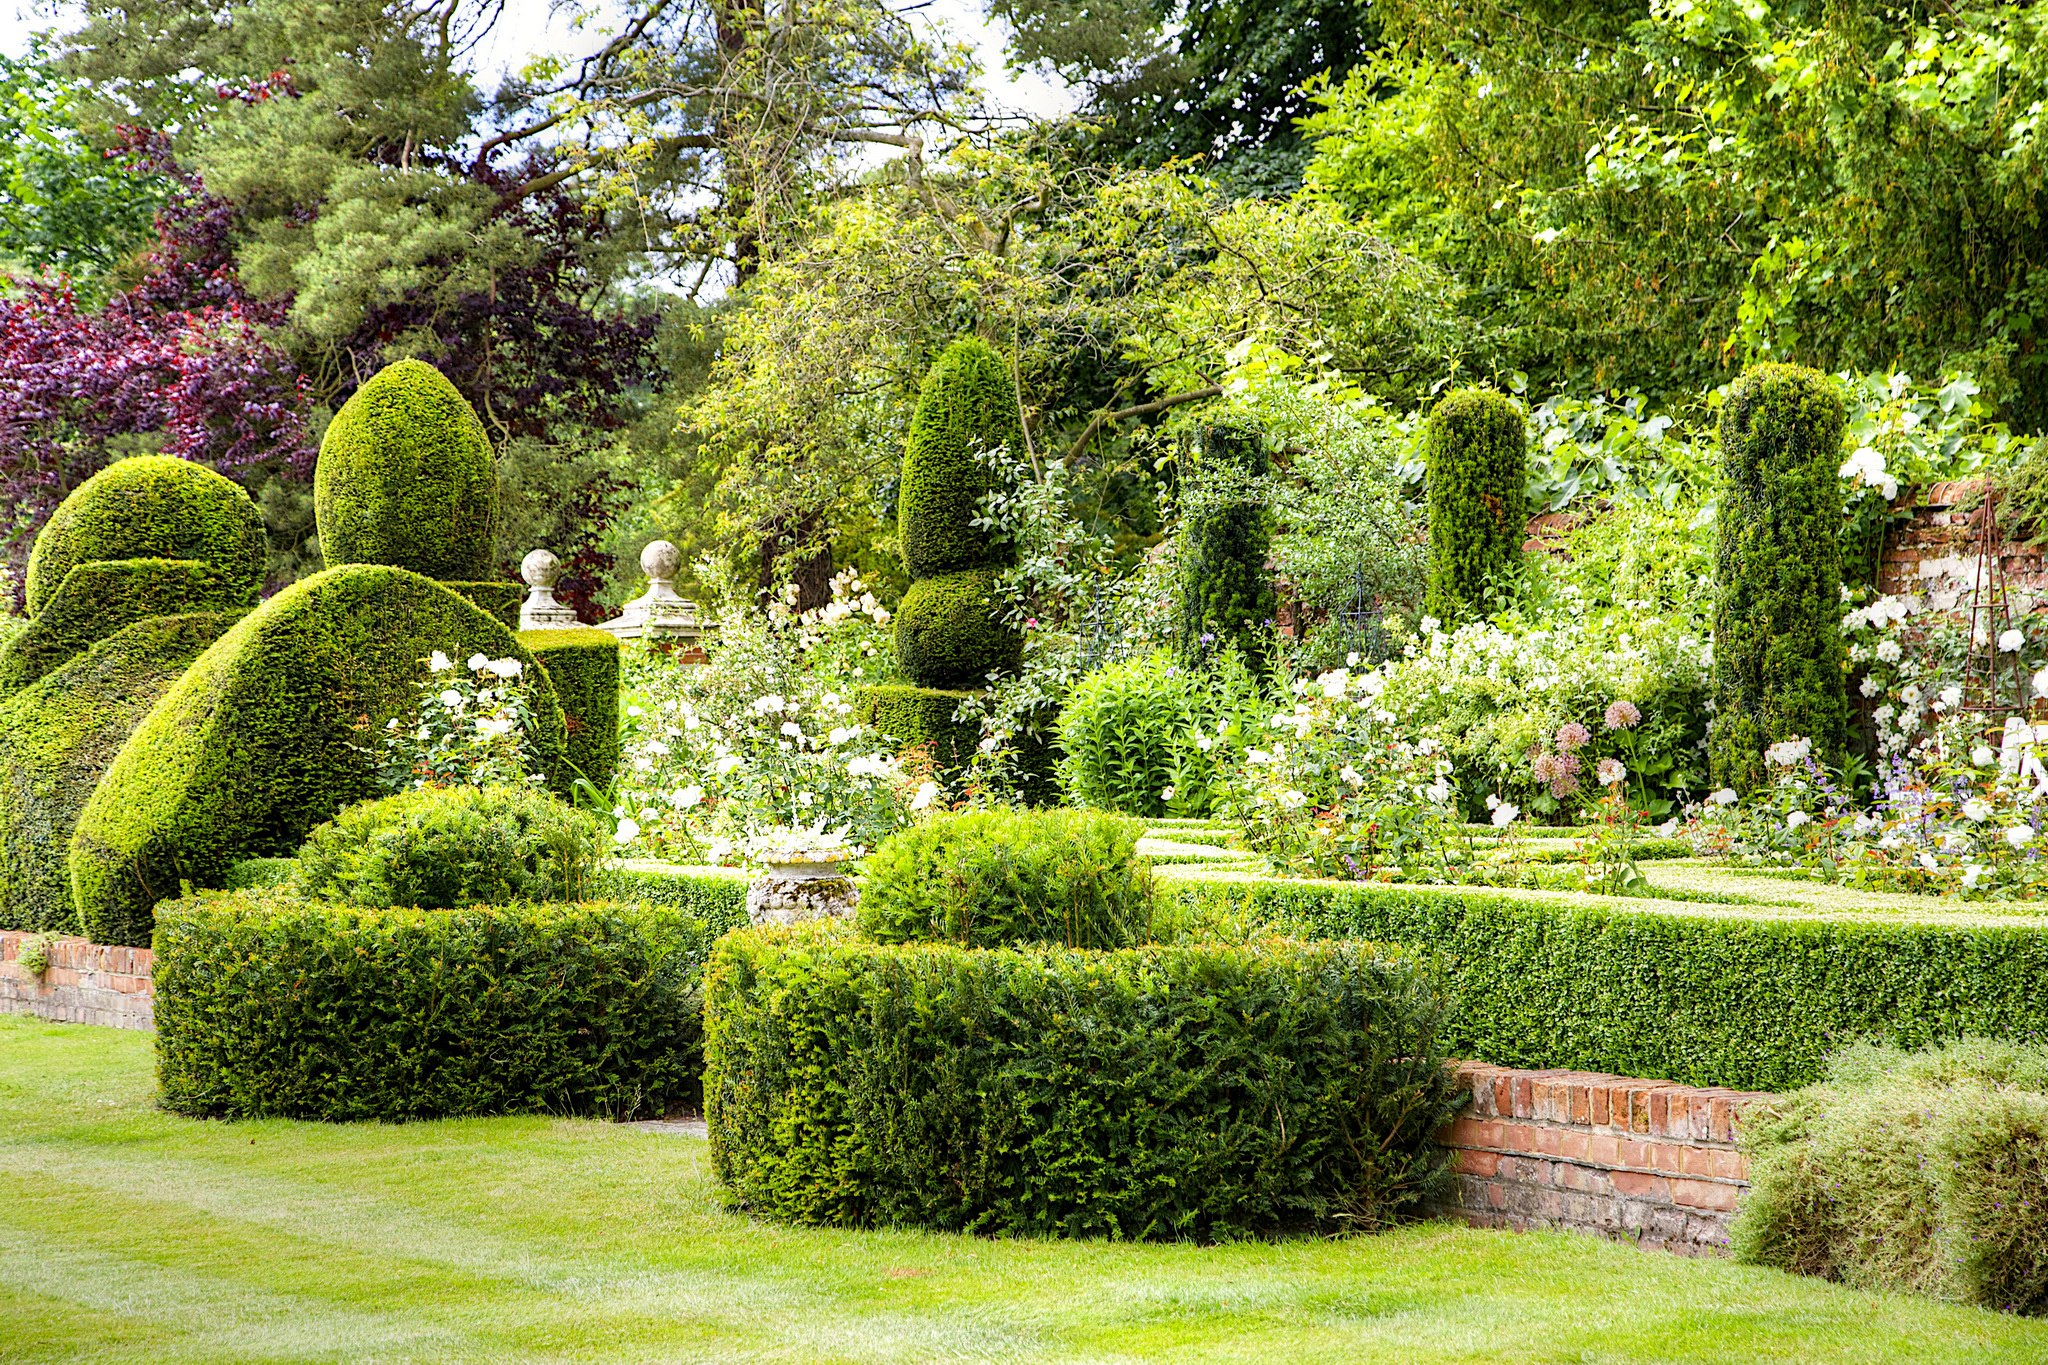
(1983, 756)
(1977, 809)
(477, 662)
(682, 798)
(2019, 836)
(439, 662)
(451, 698)
(1796, 819)
(1504, 814)
(1724, 797)
(2011, 641)
(1888, 651)
(627, 832)
(926, 794)
(727, 763)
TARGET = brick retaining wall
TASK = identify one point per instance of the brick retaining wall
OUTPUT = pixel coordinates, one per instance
(88, 983)
(1649, 1161)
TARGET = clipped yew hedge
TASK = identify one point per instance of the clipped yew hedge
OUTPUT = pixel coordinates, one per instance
(1753, 998)
(1190, 1092)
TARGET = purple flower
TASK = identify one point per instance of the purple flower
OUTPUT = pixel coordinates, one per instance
(1572, 735)
(1622, 715)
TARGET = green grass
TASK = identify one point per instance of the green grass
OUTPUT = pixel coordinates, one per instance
(129, 1235)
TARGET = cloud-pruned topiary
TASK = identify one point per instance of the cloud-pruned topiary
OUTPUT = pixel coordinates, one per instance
(104, 596)
(948, 633)
(406, 478)
(265, 737)
(58, 736)
(967, 405)
(1477, 454)
(1226, 589)
(152, 507)
(1778, 654)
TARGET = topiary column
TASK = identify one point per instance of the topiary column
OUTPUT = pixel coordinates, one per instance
(1477, 453)
(950, 634)
(1778, 656)
(1226, 588)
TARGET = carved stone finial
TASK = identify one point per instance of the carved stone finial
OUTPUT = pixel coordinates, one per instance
(540, 568)
(661, 562)
(540, 610)
(658, 613)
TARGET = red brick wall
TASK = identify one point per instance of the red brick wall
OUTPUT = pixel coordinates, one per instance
(1650, 1161)
(87, 983)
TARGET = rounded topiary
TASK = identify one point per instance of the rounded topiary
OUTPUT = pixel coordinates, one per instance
(1477, 453)
(406, 478)
(58, 736)
(152, 507)
(1778, 654)
(967, 405)
(102, 597)
(948, 633)
(1226, 588)
(264, 736)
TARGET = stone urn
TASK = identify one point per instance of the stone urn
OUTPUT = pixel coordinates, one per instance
(798, 883)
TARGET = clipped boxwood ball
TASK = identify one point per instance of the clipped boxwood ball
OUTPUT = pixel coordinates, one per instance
(947, 634)
(967, 404)
(264, 737)
(152, 507)
(406, 478)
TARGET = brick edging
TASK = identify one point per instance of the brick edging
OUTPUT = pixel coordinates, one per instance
(87, 983)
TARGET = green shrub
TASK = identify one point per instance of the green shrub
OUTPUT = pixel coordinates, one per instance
(99, 598)
(966, 405)
(949, 633)
(1750, 997)
(1924, 1172)
(1192, 1093)
(58, 737)
(270, 1006)
(1477, 454)
(406, 478)
(991, 878)
(1135, 731)
(499, 601)
(152, 507)
(259, 874)
(716, 896)
(263, 737)
(583, 665)
(1226, 596)
(442, 847)
(920, 717)
(1779, 661)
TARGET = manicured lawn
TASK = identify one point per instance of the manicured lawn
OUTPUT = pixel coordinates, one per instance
(129, 1235)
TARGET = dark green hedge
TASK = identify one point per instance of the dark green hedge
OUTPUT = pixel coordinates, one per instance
(1226, 589)
(499, 601)
(99, 598)
(1477, 454)
(406, 478)
(995, 878)
(717, 896)
(1705, 996)
(152, 507)
(949, 632)
(1778, 656)
(583, 664)
(967, 404)
(1188, 1092)
(267, 1006)
(913, 716)
(58, 737)
(264, 737)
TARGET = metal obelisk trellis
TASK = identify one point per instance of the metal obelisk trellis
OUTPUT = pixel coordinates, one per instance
(1986, 687)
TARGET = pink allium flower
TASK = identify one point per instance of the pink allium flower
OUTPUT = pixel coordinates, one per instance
(1572, 735)
(1564, 785)
(1548, 768)
(1622, 715)
(1611, 771)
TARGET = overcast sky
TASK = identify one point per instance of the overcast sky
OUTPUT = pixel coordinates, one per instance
(528, 27)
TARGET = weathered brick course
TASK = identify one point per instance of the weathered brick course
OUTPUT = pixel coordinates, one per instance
(87, 983)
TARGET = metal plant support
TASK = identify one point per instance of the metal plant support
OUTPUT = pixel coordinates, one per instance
(1994, 681)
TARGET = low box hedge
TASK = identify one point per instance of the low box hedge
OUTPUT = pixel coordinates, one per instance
(1196, 1092)
(1750, 997)
(716, 895)
(269, 1006)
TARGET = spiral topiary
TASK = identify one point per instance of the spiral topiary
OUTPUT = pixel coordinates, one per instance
(406, 478)
(1778, 655)
(1477, 454)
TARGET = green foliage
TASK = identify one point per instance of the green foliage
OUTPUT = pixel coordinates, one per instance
(717, 897)
(1754, 999)
(1779, 662)
(267, 1006)
(583, 665)
(920, 717)
(1916, 1171)
(1148, 737)
(967, 406)
(499, 601)
(1226, 593)
(263, 738)
(950, 631)
(1478, 508)
(406, 478)
(1194, 1093)
(33, 955)
(443, 848)
(99, 598)
(259, 874)
(152, 507)
(59, 736)
(994, 878)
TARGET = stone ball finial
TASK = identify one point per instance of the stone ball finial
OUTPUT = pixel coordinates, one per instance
(661, 560)
(540, 569)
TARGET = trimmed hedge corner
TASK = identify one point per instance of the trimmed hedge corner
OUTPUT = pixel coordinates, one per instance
(152, 507)
(99, 598)
(262, 738)
(583, 664)
(266, 1006)
(716, 895)
(1196, 1093)
(948, 633)
(59, 736)
(406, 478)
(1704, 995)
(915, 717)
